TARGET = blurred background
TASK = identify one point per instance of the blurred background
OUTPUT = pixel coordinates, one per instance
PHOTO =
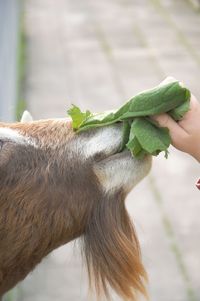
(97, 54)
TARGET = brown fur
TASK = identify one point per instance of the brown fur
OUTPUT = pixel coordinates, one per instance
(47, 200)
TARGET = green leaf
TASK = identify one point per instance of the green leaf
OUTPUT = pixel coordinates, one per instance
(78, 117)
(150, 137)
(141, 135)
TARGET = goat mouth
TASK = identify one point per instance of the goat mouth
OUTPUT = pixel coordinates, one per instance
(127, 154)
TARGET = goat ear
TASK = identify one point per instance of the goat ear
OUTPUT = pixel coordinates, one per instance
(26, 117)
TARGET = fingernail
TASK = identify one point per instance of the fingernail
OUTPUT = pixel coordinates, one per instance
(198, 184)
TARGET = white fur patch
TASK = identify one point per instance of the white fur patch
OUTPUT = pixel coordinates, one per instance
(13, 135)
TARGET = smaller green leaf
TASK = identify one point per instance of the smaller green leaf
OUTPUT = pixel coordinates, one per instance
(134, 146)
(150, 137)
(125, 135)
(78, 117)
(179, 112)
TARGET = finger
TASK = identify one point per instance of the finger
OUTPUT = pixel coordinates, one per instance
(167, 80)
(190, 120)
(194, 104)
(176, 132)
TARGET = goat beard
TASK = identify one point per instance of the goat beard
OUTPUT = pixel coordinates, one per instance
(112, 252)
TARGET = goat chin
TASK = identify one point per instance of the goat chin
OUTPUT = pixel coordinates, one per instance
(56, 186)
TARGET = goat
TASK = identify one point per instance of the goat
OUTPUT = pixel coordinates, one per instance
(56, 186)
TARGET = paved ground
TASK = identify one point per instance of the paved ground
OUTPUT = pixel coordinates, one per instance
(97, 54)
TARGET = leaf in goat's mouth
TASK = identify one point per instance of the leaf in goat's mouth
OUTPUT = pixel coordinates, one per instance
(141, 135)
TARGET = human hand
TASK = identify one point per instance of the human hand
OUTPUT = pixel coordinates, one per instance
(185, 134)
